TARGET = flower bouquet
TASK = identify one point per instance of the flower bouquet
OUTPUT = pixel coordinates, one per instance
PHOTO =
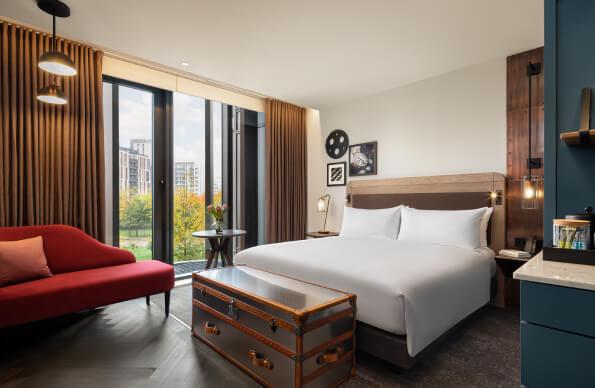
(217, 212)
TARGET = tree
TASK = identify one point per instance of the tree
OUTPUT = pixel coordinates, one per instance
(136, 213)
(189, 210)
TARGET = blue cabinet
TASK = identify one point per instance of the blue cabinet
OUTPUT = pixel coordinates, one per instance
(557, 336)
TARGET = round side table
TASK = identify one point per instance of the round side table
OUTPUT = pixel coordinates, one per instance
(219, 244)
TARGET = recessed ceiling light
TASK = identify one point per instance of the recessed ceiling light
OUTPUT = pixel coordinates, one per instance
(185, 63)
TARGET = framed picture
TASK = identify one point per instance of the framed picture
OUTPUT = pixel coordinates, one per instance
(363, 159)
(335, 174)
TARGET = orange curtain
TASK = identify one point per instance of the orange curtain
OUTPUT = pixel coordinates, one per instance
(286, 165)
(51, 157)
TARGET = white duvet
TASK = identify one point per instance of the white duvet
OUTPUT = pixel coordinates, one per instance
(420, 290)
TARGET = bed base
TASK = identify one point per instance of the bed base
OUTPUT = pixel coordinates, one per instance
(392, 348)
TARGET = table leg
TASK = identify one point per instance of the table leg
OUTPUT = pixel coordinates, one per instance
(213, 253)
(224, 252)
(210, 259)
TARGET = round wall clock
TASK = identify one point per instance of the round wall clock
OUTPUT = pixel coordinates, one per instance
(337, 143)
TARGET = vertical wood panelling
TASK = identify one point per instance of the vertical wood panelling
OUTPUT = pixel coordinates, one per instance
(520, 222)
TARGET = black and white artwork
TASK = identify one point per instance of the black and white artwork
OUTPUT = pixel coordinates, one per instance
(337, 143)
(335, 174)
(363, 159)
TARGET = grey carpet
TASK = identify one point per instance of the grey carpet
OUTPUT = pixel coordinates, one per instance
(483, 352)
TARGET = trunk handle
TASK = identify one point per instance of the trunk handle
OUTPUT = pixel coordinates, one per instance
(330, 356)
(259, 360)
(211, 328)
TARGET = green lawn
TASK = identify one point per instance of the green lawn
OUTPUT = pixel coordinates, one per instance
(137, 242)
(141, 253)
(135, 233)
(141, 245)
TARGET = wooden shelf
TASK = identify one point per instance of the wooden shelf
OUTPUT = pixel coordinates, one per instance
(578, 139)
(585, 136)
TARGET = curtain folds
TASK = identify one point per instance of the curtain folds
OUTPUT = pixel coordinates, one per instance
(286, 164)
(51, 157)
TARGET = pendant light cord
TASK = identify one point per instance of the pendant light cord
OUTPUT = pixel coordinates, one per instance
(530, 129)
(53, 32)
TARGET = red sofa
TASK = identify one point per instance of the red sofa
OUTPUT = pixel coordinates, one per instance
(87, 274)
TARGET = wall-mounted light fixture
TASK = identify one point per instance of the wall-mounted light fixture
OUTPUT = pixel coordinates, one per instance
(324, 203)
(530, 183)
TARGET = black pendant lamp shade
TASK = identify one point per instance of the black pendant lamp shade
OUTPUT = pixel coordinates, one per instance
(56, 63)
(52, 94)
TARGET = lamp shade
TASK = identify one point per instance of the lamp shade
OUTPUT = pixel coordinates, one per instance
(530, 192)
(52, 94)
(322, 203)
(57, 63)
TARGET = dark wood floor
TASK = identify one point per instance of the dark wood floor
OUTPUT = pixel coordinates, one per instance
(123, 345)
(130, 345)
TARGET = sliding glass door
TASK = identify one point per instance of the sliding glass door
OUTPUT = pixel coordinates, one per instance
(135, 171)
(135, 122)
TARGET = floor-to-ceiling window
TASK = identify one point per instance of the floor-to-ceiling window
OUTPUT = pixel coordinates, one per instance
(217, 151)
(172, 154)
(189, 138)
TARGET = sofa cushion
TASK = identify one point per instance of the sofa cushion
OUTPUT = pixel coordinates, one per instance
(22, 260)
(77, 291)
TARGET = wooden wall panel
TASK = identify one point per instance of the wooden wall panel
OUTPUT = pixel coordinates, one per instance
(523, 223)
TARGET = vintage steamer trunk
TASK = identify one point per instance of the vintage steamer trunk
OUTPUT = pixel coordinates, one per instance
(281, 331)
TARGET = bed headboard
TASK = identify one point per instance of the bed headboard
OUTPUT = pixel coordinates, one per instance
(444, 192)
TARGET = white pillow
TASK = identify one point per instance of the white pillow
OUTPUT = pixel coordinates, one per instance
(483, 228)
(371, 222)
(445, 227)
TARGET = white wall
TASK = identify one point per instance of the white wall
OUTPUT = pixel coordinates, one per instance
(316, 177)
(450, 124)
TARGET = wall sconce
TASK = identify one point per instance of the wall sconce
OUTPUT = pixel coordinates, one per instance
(324, 203)
(530, 192)
(530, 183)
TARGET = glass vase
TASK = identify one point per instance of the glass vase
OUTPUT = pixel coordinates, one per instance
(218, 226)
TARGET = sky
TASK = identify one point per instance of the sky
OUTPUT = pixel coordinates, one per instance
(136, 122)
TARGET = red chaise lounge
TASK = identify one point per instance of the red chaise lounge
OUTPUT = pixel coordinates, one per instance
(86, 274)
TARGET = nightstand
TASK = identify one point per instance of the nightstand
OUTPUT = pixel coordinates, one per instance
(511, 287)
(321, 235)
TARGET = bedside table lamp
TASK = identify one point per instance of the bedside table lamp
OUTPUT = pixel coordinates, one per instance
(324, 203)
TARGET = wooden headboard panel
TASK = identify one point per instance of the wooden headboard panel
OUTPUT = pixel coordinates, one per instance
(444, 192)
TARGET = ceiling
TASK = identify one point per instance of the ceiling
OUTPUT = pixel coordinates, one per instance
(316, 53)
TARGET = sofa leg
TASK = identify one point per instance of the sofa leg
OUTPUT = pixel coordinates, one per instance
(167, 295)
(148, 299)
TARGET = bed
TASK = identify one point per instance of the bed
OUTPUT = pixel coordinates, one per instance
(410, 295)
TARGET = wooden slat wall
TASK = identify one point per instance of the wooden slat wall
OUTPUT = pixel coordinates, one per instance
(520, 222)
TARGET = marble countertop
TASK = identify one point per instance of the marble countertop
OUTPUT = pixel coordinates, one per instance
(557, 273)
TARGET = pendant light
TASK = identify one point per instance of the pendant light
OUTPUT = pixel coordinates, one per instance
(54, 62)
(530, 191)
(52, 94)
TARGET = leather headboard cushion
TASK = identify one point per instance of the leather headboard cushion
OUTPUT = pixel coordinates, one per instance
(427, 201)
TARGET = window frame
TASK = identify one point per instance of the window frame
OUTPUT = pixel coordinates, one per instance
(163, 164)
